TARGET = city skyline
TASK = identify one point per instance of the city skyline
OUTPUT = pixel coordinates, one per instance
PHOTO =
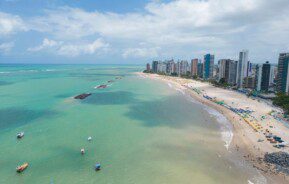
(241, 74)
(110, 33)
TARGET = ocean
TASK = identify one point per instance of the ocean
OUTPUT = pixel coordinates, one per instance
(143, 131)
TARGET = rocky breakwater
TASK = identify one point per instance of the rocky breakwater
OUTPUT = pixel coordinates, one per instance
(279, 159)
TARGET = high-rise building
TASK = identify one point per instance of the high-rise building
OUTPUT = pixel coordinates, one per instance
(155, 66)
(148, 67)
(215, 71)
(249, 82)
(227, 70)
(208, 67)
(184, 67)
(178, 68)
(265, 80)
(232, 74)
(194, 67)
(242, 70)
(275, 73)
(282, 75)
(258, 77)
(170, 67)
(200, 69)
(272, 76)
(249, 69)
(161, 67)
(222, 68)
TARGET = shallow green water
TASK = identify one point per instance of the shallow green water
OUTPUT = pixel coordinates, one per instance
(143, 131)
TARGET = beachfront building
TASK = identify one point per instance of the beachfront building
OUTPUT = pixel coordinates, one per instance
(232, 74)
(208, 67)
(249, 82)
(272, 75)
(148, 67)
(194, 67)
(177, 68)
(216, 71)
(155, 66)
(258, 77)
(249, 69)
(262, 77)
(242, 66)
(227, 70)
(161, 67)
(184, 67)
(275, 68)
(282, 75)
(170, 67)
(222, 68)
(265, 81)
(200, 69)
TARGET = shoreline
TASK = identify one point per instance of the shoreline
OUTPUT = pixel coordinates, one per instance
(245, 139)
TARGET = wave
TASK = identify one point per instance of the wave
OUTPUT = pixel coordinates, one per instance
(28, 71)
(19, 71)
(258, 179)
(170, 85)
(226, 126)
(49, 70)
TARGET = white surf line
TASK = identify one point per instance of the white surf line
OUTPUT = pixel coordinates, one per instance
(226, 126)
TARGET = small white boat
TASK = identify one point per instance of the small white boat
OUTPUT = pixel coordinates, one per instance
(89, 138)
(82, 151)
(20, 135)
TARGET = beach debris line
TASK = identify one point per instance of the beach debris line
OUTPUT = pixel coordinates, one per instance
(20, 135)
(82, 96)
(22, 167)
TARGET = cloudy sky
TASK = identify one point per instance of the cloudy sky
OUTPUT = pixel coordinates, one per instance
(138, 31)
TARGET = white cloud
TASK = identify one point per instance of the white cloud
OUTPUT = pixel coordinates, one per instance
(46, 43)
(70, 49)
(10, 24)
(6, 47)
(73, 50)
(177, 28)
(141, 52)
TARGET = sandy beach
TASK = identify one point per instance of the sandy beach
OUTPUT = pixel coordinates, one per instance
(248, 141)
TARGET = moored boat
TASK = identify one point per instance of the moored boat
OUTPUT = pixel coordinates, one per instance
(89, 138)
(20, 135)
(97, 166)
(22, 167)
(82, 151)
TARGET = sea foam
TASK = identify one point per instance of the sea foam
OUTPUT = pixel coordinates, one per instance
(225, 126)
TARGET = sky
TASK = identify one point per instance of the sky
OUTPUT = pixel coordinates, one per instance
(139, 31)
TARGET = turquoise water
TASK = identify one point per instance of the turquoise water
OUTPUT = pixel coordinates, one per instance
(143, 131)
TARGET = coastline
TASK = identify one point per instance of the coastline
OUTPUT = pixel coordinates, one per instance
(245, 138)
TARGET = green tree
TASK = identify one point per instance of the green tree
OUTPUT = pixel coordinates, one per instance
(282, 100)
